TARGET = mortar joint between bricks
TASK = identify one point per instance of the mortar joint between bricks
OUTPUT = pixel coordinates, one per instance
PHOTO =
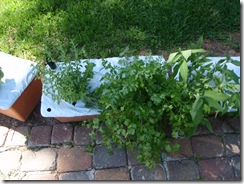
(5, 138)
(165, 165)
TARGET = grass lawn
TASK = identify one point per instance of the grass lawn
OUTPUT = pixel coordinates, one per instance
(35, 29)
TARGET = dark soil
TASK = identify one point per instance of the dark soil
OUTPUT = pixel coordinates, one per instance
(230, 46)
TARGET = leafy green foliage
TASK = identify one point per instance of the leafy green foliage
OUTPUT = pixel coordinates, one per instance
(215, 87)
(133, 99)
(139, 100)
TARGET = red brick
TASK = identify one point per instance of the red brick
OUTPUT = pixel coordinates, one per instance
(40, 136)
(81, 135)
(185, 150)
(216, 125)
(143, 173)
(207, 146)
(183, 170)
(80, 175)
(104, 159)
(216, 169)
(112, 174)
(73, 159)
(62, 134)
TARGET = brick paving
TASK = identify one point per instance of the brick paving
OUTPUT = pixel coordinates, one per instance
(217, 169)
(183, 170)
(57, 151)
(40, 136)
(62, 133)
(141, 172)
(207, 146)
(73, 159)
(121, 173)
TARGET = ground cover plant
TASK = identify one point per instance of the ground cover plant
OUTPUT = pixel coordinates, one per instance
(139, 100)
(28, 27)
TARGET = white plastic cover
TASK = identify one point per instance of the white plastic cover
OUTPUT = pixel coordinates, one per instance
(18, 73)
(49, 108)
(230, 66)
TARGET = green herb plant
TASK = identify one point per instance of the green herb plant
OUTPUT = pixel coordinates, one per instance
(210, 87)
(139, 100)
(70, 80)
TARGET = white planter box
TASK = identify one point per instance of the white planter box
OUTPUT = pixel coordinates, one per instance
(66, 112)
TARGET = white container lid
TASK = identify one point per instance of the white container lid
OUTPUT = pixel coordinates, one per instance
(230, 66)
(18, 73)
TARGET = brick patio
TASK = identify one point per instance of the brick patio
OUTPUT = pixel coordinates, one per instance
(57, 151)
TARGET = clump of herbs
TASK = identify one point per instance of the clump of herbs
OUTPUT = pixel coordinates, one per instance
(69, 81)
(138, 100)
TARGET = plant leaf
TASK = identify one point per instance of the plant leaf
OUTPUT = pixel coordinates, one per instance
(213, 103)
(199, 42)
(197, 51)
(237, 86)
(167, 148)
(196, 112)
(176, 148)
(184, 71)
(207, 124)
(197, 104)
(173, 57)
(197, 115)
(235, 62)
(186, 54)
(216, 95)
(232, 75)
